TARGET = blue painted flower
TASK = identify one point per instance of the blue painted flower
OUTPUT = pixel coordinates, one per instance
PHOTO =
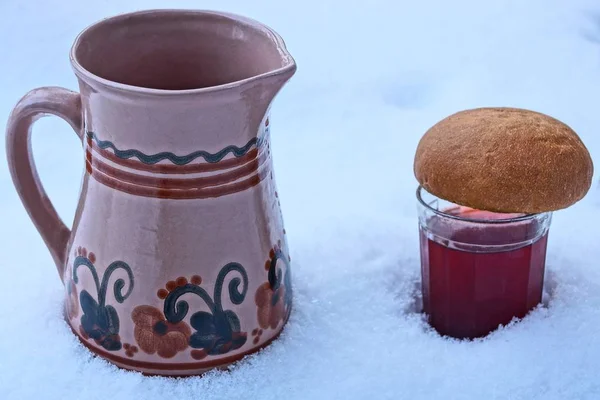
(100, 323)
(217, 333)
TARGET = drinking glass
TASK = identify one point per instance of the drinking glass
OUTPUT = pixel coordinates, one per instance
(479, 269)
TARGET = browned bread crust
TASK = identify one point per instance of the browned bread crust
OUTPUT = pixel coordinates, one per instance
(504, 160)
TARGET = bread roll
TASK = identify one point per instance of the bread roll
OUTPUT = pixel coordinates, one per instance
(504, 160)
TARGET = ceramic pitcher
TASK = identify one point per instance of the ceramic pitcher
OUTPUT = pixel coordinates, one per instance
(177, 260)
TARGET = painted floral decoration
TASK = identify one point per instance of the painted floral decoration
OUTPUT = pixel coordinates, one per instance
(270, 305)
(100, 321)
(154, 334)
(71, 300)
(274, 297)
(256, 333)
(215, 331)
(129, 349)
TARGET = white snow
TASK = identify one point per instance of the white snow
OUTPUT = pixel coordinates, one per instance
(372, 77)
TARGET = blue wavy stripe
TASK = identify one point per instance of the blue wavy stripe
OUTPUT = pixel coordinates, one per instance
(175, 159)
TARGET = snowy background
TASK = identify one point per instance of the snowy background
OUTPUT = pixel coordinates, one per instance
(372, 77)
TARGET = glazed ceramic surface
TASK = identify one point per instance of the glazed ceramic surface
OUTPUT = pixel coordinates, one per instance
(177, 261)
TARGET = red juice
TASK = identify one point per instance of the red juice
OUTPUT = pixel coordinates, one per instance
(472, 282)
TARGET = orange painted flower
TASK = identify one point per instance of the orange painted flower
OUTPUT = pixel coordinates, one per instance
(274, 297)
(271, 308)
(72, 297)
(154, 334)
(130, 350)
(72, 301)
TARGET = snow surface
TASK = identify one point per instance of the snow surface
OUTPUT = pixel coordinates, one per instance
(372, 77)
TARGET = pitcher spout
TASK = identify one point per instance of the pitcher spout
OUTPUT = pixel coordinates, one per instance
(270, 67)
(260, 92)
(283, 67)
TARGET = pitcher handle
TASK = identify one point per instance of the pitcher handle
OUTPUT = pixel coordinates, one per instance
(38, 103)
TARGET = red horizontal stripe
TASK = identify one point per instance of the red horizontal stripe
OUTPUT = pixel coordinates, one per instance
(201, 193)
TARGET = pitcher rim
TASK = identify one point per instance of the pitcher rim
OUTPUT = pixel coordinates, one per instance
(89, 77)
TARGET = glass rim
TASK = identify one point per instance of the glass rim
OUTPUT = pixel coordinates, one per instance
(524, 217)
